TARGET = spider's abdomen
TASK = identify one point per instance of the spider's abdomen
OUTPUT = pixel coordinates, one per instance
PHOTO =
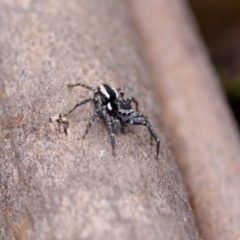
(107, 93)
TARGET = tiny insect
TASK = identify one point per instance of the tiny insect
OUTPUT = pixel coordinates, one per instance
(113, 109)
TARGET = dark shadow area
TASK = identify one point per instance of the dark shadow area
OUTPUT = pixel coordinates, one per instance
(219, 23)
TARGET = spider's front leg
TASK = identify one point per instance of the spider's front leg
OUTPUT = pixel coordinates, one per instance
(132, 99)
(137, 121)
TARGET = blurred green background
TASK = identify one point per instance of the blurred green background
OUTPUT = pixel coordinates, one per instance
(219, 23)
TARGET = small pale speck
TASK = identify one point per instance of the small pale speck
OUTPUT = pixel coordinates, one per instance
(101, 153)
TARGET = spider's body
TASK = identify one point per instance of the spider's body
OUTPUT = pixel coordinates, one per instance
(114, 110)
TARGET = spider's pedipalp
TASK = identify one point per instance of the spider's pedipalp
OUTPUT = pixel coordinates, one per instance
(121, 92)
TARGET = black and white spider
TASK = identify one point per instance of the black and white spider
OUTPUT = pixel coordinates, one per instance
(114, 110)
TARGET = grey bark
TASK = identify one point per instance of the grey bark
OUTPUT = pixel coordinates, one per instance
(58, 187)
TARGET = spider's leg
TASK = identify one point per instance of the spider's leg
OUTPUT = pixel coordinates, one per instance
(132, 99)
(82, 85)
(151, 139)
(145, 122)
(109, 120)
(116, 125)
(90, 123)
(79, 104)
(111, 134)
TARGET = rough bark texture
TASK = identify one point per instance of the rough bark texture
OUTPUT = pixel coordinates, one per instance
(205, 137)
(58, 187)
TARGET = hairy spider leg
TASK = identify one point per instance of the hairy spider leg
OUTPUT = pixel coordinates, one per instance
(151, 140)
(90, 123)
(116, 125)
(145, 122)
(132, 99)
(78, 105)
(108, 119)
(82, 85)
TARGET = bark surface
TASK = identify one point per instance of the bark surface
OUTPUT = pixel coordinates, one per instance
(58, 187)
(204, 135)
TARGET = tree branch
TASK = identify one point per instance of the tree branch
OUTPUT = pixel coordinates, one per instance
(58, 187)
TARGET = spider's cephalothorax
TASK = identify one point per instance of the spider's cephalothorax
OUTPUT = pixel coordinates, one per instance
(114, 110)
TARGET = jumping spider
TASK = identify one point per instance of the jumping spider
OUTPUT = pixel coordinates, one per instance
(113, 109)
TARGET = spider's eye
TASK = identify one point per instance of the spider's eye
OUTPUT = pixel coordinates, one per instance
(123, 113)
